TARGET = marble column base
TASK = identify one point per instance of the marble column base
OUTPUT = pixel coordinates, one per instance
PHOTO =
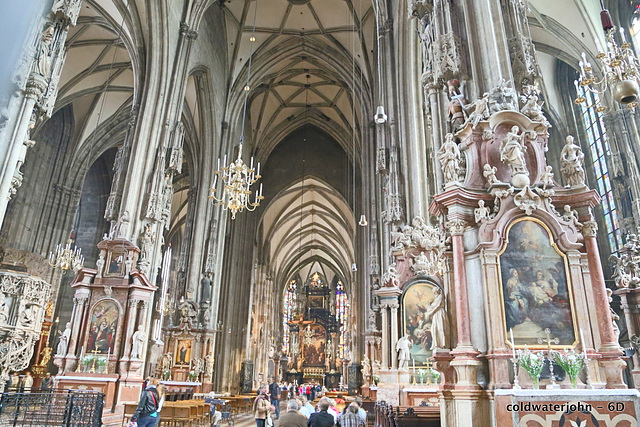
(612, 366)
(465, 362)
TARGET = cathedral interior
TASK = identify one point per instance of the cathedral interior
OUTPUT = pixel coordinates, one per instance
(351, 193)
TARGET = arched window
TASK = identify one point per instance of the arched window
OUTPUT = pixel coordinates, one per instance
(290, 298)
(341, 317)
(599, 149)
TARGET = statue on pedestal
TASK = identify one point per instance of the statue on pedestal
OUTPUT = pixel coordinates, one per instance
(490, 174)
(137, 347)
(366, 370)
(63, 344)
(42, 65)
(205, 288)
(449, 156)
(439, 324)
(100, 266)
(481, 212)
(512, 151)
(546, 178)
(572, 160)
(403, 347)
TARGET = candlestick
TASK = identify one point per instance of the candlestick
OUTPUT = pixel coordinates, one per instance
(513, 343)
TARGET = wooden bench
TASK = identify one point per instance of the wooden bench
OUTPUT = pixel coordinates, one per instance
(406, 416)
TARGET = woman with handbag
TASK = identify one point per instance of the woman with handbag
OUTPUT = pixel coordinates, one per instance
(261, 406)
(146, 414)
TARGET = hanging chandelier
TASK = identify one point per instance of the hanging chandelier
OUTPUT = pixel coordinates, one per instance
(67, 257)
(237, 179)
(620, 66)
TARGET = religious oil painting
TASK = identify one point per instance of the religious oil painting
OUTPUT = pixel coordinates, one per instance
(103, 327)
(314, 339)
(417, 321)
(535, 290)
(183, 353)
(116, 264)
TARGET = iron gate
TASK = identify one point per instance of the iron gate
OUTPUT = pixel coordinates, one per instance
(65, 408)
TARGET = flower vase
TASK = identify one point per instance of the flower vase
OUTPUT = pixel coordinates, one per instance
(574, 382)
(535, 382)
(421, 380)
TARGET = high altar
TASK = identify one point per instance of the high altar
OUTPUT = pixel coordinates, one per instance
(511, 251)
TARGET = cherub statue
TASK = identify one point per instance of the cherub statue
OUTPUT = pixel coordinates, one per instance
(482, 212)
(571, 216)
(490, 174)
(546, 178)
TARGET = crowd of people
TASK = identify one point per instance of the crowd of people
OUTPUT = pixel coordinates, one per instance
(301, 411)
(25, 384)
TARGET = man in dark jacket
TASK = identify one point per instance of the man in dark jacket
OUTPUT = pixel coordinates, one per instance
(274, 391)
(322, 418)
(292, 418)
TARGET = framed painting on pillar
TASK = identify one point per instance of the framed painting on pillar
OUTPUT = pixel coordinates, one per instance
(535, 287)
(416, 321)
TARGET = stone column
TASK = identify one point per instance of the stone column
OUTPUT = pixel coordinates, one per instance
(131, 325)
(465, 361)
(79, 307)
(394, 333)
(609, 350)
(385, 335)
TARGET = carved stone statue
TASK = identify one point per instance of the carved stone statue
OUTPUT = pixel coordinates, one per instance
(481, 212)
(614, 317)
(403, 347)
(455, 108)
(480, 110)
(503, 97)
(420, 264)
(571, 216)
(138, 340)
(188, 312)
(449, 156)
(375, 368)
(390, 278)
(490, 174)
(366, 370)
(100, 266)
(63, 344)
(572, 161)
(512, 149)
(42, 65)
(147, 239)
(546, 178)
(122, 226)
(371, 324)
(439, 323)
(4, 309)
(205, 288)
(531, 107)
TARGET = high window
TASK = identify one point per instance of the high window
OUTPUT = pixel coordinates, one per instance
(599, 148)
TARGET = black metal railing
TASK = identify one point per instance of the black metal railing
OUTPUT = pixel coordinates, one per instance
(65, 408)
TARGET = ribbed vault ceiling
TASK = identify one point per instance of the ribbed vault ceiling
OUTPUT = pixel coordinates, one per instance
(309, 226)
(331, 48)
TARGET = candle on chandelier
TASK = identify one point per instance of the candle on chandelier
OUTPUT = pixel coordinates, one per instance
(624, 39)
(215, 180)
(258, 169)
(260, 189)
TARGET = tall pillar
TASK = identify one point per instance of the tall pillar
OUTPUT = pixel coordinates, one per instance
(609, 350)
(131, 324)
(465, 359)
(385, 336)
(79, 304)
(394, 332)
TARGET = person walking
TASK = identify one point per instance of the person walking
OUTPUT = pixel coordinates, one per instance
(261, 406)
(292, 418)
(274, 391)
(146, 414)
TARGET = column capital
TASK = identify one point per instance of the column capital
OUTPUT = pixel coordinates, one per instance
(589, 228)
(456, 226)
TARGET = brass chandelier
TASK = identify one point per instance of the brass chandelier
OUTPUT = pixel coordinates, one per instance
(620, 66)
(66, 257)
(237, 178)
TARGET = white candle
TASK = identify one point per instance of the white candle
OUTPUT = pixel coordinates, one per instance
(413, 361)
(251, 167)
(624, 39)
(261, 189)
(584, 346)
(81, 352)
(513, 343)
(258, 168)
(218, 167)
(215, 180)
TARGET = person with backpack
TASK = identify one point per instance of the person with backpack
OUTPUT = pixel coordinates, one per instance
(146, 414)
